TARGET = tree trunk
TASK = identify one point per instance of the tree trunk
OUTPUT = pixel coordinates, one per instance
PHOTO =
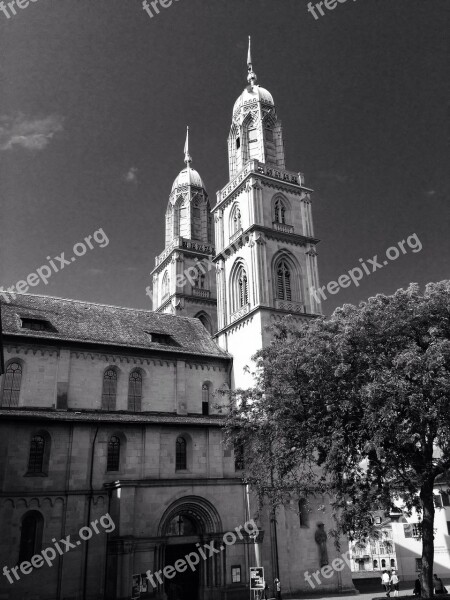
(426, 497)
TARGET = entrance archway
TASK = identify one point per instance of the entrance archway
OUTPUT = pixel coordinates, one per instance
(186, 526)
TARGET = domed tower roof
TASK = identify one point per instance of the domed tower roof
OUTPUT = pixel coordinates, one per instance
(253, 92)
(188, 176)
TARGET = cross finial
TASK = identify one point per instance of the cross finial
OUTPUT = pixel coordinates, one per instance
(251, 77)
(187, 156)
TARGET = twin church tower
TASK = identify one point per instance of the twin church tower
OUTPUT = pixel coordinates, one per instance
(251, 259)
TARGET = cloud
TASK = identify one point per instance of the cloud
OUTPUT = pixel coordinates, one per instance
(131, 175)
(430, 193)
(30, 133)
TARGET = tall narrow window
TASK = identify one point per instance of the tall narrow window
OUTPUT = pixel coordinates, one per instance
(37, 453)
(109, 390)
(239, 457)
(11, 385)
(181, 454)
(31, 535)
(113, 462)
(242, 288)
(236, 221)
(135, 391)
(303, 513)
(205, 399)
(165, 285)
(280, 212)
(284, 281)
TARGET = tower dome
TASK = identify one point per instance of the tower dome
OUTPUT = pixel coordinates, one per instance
(187, 176)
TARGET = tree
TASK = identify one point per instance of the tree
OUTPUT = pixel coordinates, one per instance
(358, 405)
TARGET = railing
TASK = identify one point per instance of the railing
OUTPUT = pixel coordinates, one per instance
(236, 235)
(180, 242)
(240, 313)
(201, 292)
(290, 305)
(283, 227)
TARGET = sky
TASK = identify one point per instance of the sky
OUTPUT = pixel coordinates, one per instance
(95, 97)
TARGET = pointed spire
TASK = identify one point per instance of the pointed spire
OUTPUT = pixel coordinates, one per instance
(251, 77)
(187, 156)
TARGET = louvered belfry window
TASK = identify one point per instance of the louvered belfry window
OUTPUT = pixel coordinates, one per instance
(242, 288)
(284, 281)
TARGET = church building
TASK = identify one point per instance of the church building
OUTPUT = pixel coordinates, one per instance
(110, 435)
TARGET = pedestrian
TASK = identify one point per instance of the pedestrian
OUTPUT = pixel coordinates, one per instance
(417, 588)
(438, 585)
(265, 592)
(385, 581)
(277, 586)
(394, 582)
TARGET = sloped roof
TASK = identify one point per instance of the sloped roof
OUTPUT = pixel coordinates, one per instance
(90, 323)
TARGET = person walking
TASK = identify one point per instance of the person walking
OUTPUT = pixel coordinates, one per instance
(417, 591)
(277, 586)
(394, 581)
(438, 585)
(385, 579)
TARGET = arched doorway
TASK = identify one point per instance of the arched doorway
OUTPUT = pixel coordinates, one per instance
(186, 526)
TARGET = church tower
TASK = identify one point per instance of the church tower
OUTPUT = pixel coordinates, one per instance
(184, 281)
(265, 245)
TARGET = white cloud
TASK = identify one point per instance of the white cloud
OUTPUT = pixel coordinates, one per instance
(131, 175)
(430, 193)
(30, 133)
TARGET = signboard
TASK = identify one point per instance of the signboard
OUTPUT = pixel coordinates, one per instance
(136, 587)
(256, 578)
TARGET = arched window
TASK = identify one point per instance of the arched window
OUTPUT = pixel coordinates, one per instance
(375, 564)
(181, 454)
(165, 285)
(31, 535)
(283, 281)
(236, 221)
(280, 211)
(242, 288)
(392, 563)
(383, 563)
(11, 384)
(135, 391)
(205, 399)
(36, 456)
(109, 389)
(113, 462)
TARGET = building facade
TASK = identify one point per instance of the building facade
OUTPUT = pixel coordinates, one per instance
(112, 413)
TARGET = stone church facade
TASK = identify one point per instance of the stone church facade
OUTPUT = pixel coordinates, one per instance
(113, 411)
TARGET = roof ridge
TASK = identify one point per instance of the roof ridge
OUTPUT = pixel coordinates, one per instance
(144, 310)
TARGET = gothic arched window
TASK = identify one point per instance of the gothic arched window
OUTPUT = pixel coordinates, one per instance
(284, 291)
(242, 288)
(11, 384)
(30, 535)
(181, 454)
(135, 391)
(205, 399)
(37, 455)
(165, 285)
(280, 211)
(113, 461)
(109, 392)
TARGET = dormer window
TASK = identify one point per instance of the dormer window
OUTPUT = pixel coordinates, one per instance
(37, 325)
(161, 338)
